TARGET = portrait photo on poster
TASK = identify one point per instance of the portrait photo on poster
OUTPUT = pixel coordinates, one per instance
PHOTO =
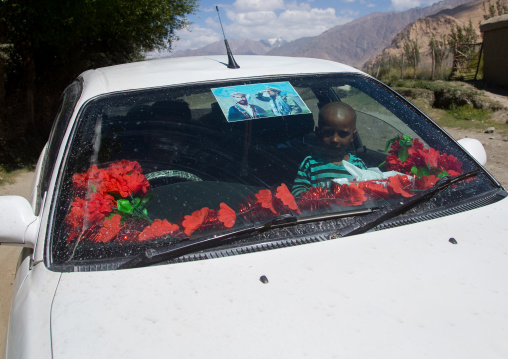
(247, 102)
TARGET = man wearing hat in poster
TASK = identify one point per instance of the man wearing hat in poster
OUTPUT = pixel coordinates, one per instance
(243, 110)
(282, 104)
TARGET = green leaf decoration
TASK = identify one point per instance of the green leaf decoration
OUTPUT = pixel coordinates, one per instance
(414, 170)
(403, 154)
(442, 174)
(389, 143)
(124, 206)
(405, 142)
(145, 201)
(422, 171)
(382, 164)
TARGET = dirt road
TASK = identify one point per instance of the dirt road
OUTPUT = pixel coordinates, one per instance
(495, 145)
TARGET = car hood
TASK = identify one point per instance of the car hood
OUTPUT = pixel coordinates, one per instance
(401, 292)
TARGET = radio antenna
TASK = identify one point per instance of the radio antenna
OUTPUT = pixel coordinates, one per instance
(231, 60)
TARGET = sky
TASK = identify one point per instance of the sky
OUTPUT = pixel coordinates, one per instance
(271, 19)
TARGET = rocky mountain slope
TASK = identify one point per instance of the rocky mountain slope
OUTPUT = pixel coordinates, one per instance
(359, 40)
(435, 25)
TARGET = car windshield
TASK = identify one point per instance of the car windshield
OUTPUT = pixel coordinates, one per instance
(158, 166)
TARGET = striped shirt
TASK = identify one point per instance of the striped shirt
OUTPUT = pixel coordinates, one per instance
(315, 172)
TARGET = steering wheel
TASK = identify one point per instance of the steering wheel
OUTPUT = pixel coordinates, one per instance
(170, 176)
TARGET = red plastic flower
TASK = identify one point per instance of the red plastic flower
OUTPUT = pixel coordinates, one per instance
(393, 163)
(124, 178)
(400, 184)
(124, 167)
(157, 229)
(80, 181)
(194, 221)
(226, 215)
(350, 195)
(98, 207)
(428, 157)
(287, 198)
(316, 198)
(74, 218)
(426, 182)
(92, 210)
(450, 164)
(374, 190)
(110, 229)
(265, 199)
(316, 193)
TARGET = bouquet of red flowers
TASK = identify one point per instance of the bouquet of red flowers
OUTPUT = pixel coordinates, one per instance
(111, 206)
(110, 199)
(408, 156)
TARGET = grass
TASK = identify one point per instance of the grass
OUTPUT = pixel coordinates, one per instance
(465, 117)
(9, 177)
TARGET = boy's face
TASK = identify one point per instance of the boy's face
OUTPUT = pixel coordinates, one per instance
(336, 131)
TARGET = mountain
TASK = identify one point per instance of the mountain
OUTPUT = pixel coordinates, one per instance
(273, 43)
(357, 41)
(238, 47)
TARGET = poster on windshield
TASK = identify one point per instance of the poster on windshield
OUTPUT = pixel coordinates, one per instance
(247, 102)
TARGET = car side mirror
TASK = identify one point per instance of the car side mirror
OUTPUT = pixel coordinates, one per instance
(475, 149)
(17, 221)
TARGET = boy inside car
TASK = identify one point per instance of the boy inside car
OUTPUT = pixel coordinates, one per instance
(335, 132)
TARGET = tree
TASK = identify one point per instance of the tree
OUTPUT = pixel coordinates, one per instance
(439, 52)
(462, 37)
(55, 40)
(412, 53)
(463, 40)
(493, 10)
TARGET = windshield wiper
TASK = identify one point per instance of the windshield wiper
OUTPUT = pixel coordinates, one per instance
(152, 256)
(366, 223)
(373, 217)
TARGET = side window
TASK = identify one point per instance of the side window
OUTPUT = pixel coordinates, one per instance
(69, 99)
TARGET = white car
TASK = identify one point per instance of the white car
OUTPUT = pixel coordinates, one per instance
(186, 209)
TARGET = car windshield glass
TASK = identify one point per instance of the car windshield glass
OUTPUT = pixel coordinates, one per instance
(154, 167)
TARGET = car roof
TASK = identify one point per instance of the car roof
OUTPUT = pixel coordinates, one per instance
(173, 71)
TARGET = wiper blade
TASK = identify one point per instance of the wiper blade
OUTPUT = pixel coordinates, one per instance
(152, 256)
(367, 223)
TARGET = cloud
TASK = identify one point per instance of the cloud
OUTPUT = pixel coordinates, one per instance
(263, 19)
(243, 6)
(196, 38)
(408, 4)
(256, 20)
